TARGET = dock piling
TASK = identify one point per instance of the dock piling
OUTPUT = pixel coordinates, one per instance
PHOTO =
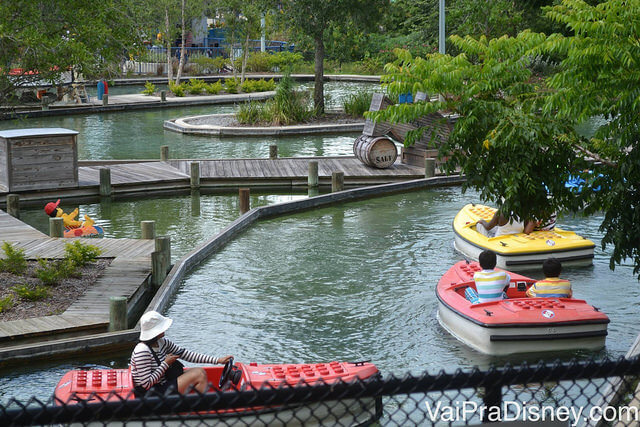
(163, 245)
(195, 175)
(163, 96)
(105, 99)
(273, 152)
(148, 229)
(158, 274)
(13, 205)
(105, 182)
(117, 314)
(56, 227)
(243, 194)
(312, 181)
(164, 153)
(429, 167)
(337, 181)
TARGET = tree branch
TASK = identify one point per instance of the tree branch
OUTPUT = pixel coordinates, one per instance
(595, 156)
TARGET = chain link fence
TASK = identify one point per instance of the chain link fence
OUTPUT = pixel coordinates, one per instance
(585, 393)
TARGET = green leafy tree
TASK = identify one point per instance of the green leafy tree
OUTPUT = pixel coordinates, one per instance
(515, 139)
(315, 18)
(42, 39)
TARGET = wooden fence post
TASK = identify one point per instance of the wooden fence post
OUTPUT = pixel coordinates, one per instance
(312, 181)
(243, 194)
(429, 167)
(56, 227)
(105, 182)
(337, 181)
(148, 229)
(117, 313)
(13, 205)
(195, 175)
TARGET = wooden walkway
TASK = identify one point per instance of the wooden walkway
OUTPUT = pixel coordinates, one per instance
(132, 176)
(127, 276)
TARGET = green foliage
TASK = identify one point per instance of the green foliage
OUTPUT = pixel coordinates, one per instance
(196, 86)
(6, 303)
(15, 261)
(231, 85)
(261, 85)
(287, 107)
(204, 64)
(149, 88)
(31, 292)
(52, 272)
(213, 88)
(357, 103)
(80, 254)
(177, 89)
(286, 61)
(515, 137)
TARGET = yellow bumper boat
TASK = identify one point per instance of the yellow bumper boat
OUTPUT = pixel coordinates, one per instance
(519, 251)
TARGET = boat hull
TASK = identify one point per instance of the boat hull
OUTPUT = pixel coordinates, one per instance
(518, 252)
(518, 324)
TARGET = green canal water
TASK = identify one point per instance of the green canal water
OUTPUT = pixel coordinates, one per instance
(139, 134)
(348, 282)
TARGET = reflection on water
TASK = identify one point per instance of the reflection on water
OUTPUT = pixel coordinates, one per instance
(350, 282)
(139, 134)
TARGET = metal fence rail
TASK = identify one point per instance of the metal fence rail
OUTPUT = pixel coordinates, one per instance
(559, 392)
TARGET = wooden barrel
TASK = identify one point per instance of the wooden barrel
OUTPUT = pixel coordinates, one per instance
(379, 152)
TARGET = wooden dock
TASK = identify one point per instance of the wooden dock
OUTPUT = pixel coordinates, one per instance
(126, 276)
(224, 174)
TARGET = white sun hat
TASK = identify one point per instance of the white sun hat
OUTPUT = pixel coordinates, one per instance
(153, 324)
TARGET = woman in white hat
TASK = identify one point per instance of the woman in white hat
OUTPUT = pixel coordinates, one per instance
(154, 364)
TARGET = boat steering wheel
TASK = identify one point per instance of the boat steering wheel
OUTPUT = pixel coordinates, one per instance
(226, 373)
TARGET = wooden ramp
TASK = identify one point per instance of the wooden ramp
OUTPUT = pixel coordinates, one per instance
(126, 276)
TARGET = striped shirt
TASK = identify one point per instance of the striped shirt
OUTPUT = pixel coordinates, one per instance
(551, 287)
(490, 284)
(146, 372)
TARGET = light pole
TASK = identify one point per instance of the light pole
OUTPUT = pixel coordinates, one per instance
(441, 38)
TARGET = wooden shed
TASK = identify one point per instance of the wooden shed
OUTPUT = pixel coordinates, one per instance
(38, 159)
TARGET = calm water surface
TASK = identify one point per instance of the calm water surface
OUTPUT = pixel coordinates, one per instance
(139, 134)
(350, 282)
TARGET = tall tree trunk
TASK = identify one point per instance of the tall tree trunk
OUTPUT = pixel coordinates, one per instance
(182, 48)
(245, 55)
(167, 35)
(318, 91)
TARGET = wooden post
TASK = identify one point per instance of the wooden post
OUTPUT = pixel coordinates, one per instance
(164, 153)
(163, 96)
(56, 227)
(13, 205)
(105, 99)
(313, 192)
(158, 273)
(429, 167)
(273, 152)
(163, 245)
(195, 175)
(117, 314)
(195, 203)
(105, 182)
(148, 229)
(337, 181)
(45, 106)
(312, 181)
(243, 193)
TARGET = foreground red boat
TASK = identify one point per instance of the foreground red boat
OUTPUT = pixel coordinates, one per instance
(116, 384)
(518, 324)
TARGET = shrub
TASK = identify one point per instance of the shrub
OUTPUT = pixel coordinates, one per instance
(80, 254)
(31, 292)
(231, 85)
(286, 61)
(52, 272)
(177, 89)
(6, 303)
(259, 62)
(15, 262)
(357, 103)
(248, 86)
(213, 88)
(196, 86)
(149, 88)
(252, 112)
